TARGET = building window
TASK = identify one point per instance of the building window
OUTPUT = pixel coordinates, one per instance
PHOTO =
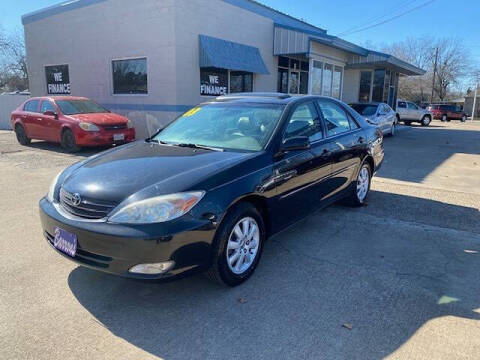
(327, 80)
(213, 81)
(365, 86)
(292, 75)
(317, 77)
(337, 82)
(241, 81)
(378, 85)
(58, 79)
(130, 76)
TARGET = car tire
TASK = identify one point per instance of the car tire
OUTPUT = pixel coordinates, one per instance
(21, 135)
(68, 141)
(464, 118)
(398, 119)
(361, 186)
(426, 120)
(228, 268)
(444, 118)
(408, 123)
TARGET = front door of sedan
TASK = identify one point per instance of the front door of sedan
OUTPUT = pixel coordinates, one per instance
(298, 173)
(49, 126)
(347, 142)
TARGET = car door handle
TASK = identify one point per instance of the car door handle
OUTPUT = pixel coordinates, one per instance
(360, 140)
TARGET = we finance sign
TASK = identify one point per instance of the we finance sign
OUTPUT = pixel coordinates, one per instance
(58, 79)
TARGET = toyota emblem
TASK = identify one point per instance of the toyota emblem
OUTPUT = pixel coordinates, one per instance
(76, 199)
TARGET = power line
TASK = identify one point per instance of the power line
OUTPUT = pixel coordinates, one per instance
(376, 18)
(391, 18)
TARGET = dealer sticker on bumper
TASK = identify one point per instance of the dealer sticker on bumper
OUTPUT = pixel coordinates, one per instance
(65, 242)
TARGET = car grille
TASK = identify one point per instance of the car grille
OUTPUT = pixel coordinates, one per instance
(86, 208)
(114, 127)
(84, 256)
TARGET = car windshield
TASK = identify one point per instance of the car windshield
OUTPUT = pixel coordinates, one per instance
(365, 109)
(234, 126)
(72, 107)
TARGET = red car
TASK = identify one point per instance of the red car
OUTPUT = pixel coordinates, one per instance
(71, 121)
(447, 112)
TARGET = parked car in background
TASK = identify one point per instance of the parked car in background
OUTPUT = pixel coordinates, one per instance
(379, 114)
(447, 112)
(409, 112)
(208, 190)
(71, 121)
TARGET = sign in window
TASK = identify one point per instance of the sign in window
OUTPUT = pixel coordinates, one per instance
(58, 79)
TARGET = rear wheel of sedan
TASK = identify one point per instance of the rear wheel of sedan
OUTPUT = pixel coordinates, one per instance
(68, 141)
(21, 134)
(426, 120)
(362, 186)
(238, 245)
(444, 118)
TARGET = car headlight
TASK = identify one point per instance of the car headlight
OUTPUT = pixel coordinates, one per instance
(51, 189)
(157, 209)
(88, 126)
(129, 124)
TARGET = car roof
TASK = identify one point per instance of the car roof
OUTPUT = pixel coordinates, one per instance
(266, 98)
(367, 103)
(59, 97)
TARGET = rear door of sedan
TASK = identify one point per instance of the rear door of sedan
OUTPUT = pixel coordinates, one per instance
(298, 173)
(30, 118)
(347, 141)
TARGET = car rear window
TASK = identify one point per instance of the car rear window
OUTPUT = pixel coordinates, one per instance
(402, 104)
(365, 109)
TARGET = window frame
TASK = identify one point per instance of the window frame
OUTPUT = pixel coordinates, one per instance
(31, 101)
(349, 116)
(318, 119)
(112, 82)
(299, 70)
(47, 102)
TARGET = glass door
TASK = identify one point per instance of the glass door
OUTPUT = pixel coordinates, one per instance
(294, 82)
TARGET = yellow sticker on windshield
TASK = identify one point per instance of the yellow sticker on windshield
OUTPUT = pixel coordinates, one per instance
(192, 111)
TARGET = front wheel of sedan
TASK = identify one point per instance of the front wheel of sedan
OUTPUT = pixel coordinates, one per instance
(238, 245)
(362, 186)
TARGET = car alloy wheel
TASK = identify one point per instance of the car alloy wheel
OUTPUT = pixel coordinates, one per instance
(464, 118)
(392, 131)
(444, 118)
(426, 121)
(21, 135)
(363, 183)
(242, 246)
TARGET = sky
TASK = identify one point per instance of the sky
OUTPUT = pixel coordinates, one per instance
(441, 18)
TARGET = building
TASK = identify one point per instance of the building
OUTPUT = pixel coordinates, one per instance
(153, 59)
(468, 104)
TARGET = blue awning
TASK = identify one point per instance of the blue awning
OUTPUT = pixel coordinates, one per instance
(229, 55)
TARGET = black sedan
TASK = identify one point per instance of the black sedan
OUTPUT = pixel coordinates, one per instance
(206, 192)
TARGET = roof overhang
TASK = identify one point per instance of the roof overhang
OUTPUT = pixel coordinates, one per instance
(230, 55)
(377, 59)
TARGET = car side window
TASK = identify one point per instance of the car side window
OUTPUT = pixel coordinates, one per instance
(31, 106)
(412, 106)
(47, 106)
(336, 119)
(402, 104)
(387, 108)
(304, 122)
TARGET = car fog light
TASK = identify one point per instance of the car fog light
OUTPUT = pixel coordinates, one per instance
(152, 269)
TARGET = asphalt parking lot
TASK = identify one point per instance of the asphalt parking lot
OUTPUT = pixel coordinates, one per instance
(398, 278)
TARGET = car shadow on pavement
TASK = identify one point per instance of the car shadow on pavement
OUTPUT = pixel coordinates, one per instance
(418, 151)
(54, 147)
(341, 268)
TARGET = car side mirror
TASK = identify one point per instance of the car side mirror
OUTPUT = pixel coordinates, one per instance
(295, 143)
(50, 113)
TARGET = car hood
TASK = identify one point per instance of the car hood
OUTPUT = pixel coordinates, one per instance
(100, 118)
(158, 169)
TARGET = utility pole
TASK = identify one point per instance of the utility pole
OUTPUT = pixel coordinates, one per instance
(434, 74)
(474, 101)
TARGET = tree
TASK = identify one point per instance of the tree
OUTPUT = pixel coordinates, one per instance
(452, 66)
(13, 61)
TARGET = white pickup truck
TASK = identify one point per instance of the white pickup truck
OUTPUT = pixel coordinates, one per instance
(409, 112)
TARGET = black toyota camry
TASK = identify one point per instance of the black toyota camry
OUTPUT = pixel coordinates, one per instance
(206, 192)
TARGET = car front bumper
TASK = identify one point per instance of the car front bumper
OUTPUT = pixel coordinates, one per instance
(104, 137)
(115, 248)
